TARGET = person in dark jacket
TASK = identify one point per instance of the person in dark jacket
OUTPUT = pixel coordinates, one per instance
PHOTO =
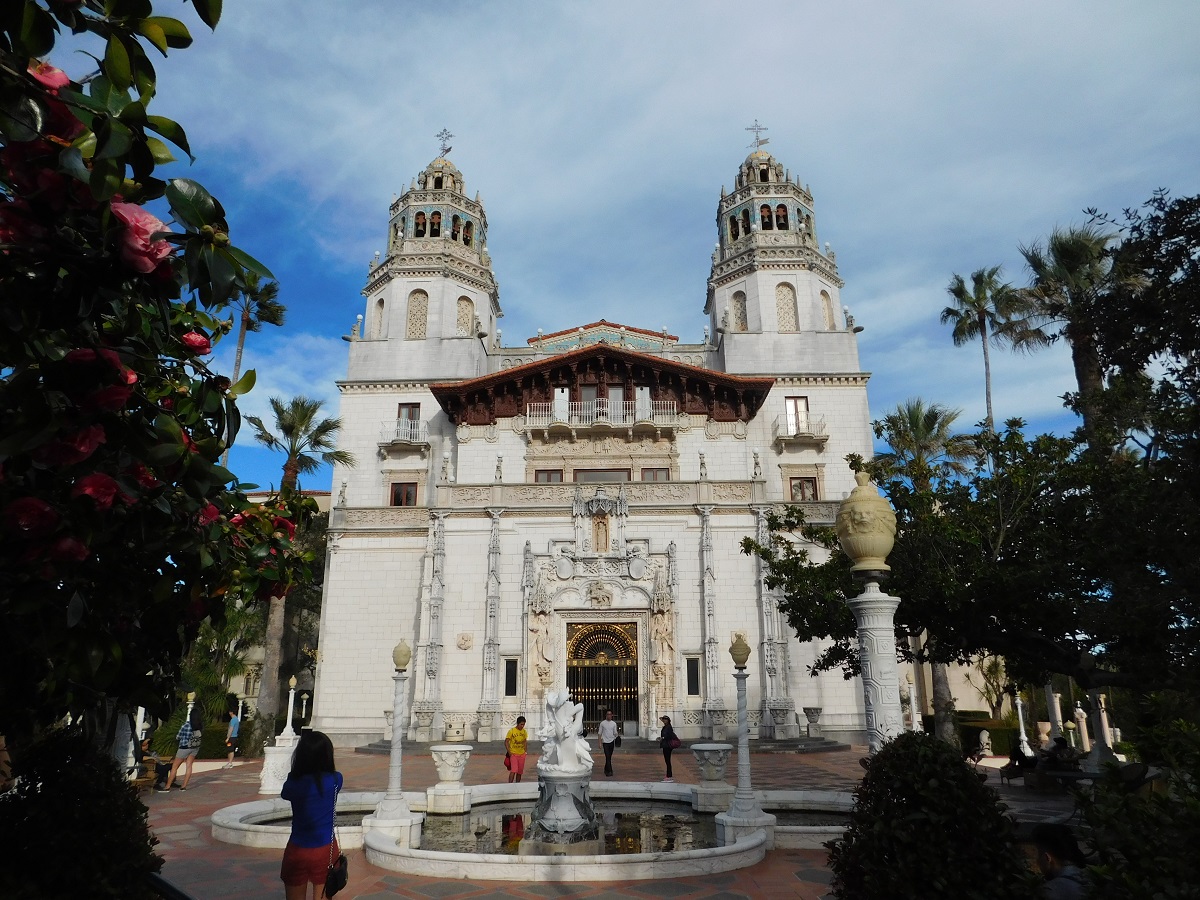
(1059, 858)
(668, 741)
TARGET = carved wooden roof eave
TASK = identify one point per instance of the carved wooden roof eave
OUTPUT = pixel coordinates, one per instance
(455, 397)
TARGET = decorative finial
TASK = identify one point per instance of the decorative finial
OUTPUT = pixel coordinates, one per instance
(444, 136)
(759, 140)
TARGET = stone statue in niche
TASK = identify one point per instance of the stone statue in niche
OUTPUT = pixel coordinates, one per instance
(539, 627)
(600, 534)
(599, 595)
(660, 634)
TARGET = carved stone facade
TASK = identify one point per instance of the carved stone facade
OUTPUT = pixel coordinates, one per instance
(581, 499)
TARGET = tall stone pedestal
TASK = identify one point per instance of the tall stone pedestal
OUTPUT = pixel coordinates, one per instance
(277, 762)
(564, 822)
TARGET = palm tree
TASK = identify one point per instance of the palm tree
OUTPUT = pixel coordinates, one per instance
(922, 448)
(1069, 273)
(259, 305)
(307, 442)
(990, 311)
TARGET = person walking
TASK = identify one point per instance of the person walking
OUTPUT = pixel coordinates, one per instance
(668, 741)
(608, 740)
(312, 788)
(231, 736)
(516, 743)
(190, 737)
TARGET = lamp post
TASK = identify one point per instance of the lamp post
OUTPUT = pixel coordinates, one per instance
(303, 705)
(744, 815)
(1022, 741)
(392, 815)
(288, 732)
(866, 530)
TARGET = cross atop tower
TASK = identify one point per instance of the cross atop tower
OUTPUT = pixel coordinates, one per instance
(444, 136)
(759, 140)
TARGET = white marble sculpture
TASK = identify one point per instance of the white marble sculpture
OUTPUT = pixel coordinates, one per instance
(563, 749)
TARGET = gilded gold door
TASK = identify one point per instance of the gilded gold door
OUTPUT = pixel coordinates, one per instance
(602, 669)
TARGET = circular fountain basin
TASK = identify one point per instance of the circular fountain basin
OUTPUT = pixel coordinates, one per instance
(657, 836)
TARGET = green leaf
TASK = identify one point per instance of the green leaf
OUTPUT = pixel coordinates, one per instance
(159, 151)
(191, 203)
(37, 31)
(95, 104)
(71, 162)
(21, 121)
(245, 384)
(174, 32)
(112, 99)
(114, 140)
(172, 131)
(134, 113)
(209, 11)
(107, 175)
(154, 34)
(116, 63)
(246, 261)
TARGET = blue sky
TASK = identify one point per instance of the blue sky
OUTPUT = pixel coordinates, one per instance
(936, 138)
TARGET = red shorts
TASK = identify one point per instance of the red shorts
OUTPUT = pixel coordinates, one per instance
(518, 763)
(306, 865)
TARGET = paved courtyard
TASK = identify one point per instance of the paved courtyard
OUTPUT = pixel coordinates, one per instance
(209, 869)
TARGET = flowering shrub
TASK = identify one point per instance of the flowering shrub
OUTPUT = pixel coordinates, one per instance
(121, 533)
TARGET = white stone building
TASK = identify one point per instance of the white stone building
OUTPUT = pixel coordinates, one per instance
(570, 512)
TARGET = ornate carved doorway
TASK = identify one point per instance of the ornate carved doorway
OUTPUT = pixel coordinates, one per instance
(602, 669)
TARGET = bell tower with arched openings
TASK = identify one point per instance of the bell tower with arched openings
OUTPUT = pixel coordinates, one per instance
(432, 297)
(773, 293)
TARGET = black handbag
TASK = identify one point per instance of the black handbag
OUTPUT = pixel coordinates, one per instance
(339, 870)
(617, 742)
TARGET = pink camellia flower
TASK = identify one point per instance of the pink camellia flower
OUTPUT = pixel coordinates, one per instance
(144, 477)
(140, 250)
(197, 343)
(237, 520)
(69, 549)
(71, 448)
(103, 489)
(29, 517)
(208, 515)
(49, 77)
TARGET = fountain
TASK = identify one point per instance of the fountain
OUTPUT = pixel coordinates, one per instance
(564, 820)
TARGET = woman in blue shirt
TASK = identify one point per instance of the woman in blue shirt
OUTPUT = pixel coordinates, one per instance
(312, 788)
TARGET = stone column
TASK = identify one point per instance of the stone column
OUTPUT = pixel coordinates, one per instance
(1022, 740)
(1081, 724)
(714, 704)
(866, 530)
(1101, 752)
(489, 704)
(1054, 711)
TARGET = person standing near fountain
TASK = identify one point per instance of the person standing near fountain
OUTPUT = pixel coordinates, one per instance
(668, 742)
(516, 743)
(608, 740)
(189, 739)
(312, 788)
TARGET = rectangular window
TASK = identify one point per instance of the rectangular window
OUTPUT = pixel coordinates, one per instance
(797, 414)
(804, 490)
(548, 476)
(602, 475)
(693, 676)
(656, 474)
(510, 678)
(404, 493)
(409, 412)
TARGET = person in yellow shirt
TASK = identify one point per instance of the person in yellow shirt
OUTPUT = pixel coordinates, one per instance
(515, 742)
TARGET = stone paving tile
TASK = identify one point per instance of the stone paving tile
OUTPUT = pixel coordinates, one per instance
(208, 869)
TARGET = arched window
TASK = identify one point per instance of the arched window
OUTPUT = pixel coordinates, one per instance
(734, 231)
(466, 317)
(455, 227)
(435, 225)
(418, 316)
(785, 307)
(377, 320)
(469, 233)
(781, 217)
(419, 225)
(764, 218)
(437, 182)
(764, 173)
(827, 309)
(740, 321)
(745, 221)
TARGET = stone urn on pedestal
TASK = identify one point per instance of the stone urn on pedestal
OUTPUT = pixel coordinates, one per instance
(813, 714)
(866, 530)
(449, 795)
(712, 794)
